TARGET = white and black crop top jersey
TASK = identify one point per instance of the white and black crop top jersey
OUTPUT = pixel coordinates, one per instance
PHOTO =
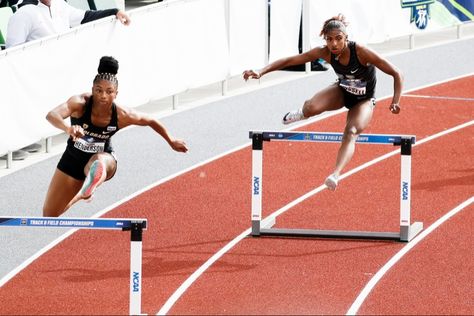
(96, 139)
(355, 78)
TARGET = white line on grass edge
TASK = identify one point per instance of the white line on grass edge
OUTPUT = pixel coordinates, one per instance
(193, 277)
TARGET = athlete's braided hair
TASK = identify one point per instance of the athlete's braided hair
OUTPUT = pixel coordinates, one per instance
(336, 22)
(108, 68)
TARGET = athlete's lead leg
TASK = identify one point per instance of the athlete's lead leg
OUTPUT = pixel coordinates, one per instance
(328, 99)
(100, 167)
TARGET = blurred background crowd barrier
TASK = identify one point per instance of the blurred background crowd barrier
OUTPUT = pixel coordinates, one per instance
(177, 45)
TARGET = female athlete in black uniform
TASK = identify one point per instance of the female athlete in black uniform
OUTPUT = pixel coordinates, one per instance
(354, 65)
(89, 158)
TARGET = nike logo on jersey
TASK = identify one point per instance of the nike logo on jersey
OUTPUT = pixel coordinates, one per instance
(353, 72)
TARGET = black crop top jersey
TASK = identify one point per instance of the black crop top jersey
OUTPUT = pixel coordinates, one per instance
(355, 78)
(96, 139)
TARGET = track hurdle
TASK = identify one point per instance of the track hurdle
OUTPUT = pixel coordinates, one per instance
(134, 225)
(260, 228)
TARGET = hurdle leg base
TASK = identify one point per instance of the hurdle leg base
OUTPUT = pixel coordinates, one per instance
(407, 233)
(257, 226)
(309, 233)
(268, 223)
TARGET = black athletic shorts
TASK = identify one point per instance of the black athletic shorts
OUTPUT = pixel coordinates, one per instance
(73, 165)
(350, 100)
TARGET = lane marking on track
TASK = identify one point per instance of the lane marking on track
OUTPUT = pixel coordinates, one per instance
(196, 274)
(378, 276)
(438, 97)
(46, 248)
(439, 82)
(27, 262)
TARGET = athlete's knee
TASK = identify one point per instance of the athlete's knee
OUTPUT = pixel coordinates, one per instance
(352, 132)
(109, 162)
(310, 108)
(105, 159)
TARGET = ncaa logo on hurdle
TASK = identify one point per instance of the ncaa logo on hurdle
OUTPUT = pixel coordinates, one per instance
(404, 190)
(256, 185)
(136, 281)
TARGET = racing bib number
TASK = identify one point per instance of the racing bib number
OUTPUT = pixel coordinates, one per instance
(354, 86)
(89, 146)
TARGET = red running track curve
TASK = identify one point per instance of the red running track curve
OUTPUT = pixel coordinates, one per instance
(194, 215)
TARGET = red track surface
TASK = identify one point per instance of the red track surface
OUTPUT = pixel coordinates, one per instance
(194, 215)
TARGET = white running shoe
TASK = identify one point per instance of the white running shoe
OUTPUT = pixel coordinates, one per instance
(331, 182)
(293, 116)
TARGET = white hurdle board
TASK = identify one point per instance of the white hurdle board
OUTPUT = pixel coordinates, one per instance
(134, 225)
(260, 228)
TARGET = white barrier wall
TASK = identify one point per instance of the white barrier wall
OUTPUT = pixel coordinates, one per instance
(285, 19)
(247, 35)
(171, 47)
(375, 21)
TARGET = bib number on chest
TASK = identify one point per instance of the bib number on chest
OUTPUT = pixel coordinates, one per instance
(89, 146)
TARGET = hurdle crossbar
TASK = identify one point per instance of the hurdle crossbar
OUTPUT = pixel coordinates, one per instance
(134, 225)
(264, 228)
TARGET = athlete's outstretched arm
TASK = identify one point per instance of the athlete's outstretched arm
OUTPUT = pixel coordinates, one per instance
(57, 115)
(299, 59)
(132, 117)
(368, 56)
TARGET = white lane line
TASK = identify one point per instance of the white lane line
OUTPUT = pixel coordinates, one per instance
(27, 262)
(437, 83)
(193, 277)
(196, 274)
(437, 97)
(378, 276)
(46, 248)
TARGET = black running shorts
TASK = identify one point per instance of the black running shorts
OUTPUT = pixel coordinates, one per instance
(73, 165)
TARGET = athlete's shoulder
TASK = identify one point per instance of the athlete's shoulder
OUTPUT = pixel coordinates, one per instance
(323, 52)
(122, 110)
(365, 54)
(80, 98)
(359, 47)
(78, 102)
(124, 114)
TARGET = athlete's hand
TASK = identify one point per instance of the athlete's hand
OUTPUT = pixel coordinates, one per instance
(394, 108)
(123, 17)
(179, 145)
(251, 74)
(75, 132)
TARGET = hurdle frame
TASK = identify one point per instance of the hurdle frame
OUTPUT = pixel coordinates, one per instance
(134, 225)
(264, 228)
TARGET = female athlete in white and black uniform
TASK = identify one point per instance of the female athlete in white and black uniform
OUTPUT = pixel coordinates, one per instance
(88, 160)
(355, 66)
